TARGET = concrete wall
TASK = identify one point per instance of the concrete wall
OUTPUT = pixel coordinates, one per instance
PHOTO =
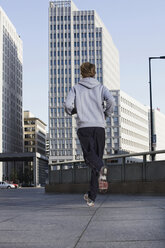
(151, 171)
(131, 178)
(77, 175)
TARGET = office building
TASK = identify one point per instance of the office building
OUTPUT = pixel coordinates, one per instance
(34, 141)
(75, 36)
(34, 134)
(11, 122)
(130, 131)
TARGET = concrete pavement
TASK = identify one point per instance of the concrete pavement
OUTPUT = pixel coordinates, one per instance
(29, 218)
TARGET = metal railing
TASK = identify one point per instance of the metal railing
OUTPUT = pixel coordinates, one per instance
(76, 164)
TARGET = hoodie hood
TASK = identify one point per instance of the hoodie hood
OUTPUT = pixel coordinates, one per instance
(89, 82)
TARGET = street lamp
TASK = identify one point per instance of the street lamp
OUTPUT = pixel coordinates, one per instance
(152, 136)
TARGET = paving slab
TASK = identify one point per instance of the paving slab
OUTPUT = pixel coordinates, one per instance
(30, 218)
(122, 244)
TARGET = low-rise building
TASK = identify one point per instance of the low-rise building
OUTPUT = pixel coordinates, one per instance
(34, 141)
(34, 134)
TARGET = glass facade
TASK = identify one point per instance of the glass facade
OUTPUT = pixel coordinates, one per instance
(11, 123)
(12, 137)
(60, 127)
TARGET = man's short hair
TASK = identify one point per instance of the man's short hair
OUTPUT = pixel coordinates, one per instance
(87, 70)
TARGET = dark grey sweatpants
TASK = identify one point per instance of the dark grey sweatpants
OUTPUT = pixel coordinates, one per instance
(92, 140)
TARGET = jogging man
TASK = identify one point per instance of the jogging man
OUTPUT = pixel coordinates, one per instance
(92, 102)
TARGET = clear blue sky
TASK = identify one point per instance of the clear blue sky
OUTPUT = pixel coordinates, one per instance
(136, 27)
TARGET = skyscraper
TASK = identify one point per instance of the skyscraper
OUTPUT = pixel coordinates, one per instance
(11, 132)
(75, 36)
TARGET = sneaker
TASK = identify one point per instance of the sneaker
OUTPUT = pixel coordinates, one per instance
(90, 203)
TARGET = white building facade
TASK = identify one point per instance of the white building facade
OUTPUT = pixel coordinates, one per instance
(75, 37)
(11, 122)
(134, 124)
(159, 131)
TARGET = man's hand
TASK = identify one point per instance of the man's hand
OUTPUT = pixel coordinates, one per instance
(74, 111)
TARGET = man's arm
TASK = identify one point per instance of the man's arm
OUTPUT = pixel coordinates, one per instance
(110, 102)
(69, 104)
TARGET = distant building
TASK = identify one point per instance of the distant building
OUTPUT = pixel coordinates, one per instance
(11, 120)
(134, 124)
(34, 134)
(34, 141)
(75, 36)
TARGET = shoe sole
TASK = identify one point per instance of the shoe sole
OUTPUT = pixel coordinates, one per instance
(92, 204)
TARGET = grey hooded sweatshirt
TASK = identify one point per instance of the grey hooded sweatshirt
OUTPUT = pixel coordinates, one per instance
(87, 99)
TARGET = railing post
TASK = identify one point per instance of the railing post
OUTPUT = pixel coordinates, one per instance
(123, 170)
(60, 173)
(49, 174)
(74, 172)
